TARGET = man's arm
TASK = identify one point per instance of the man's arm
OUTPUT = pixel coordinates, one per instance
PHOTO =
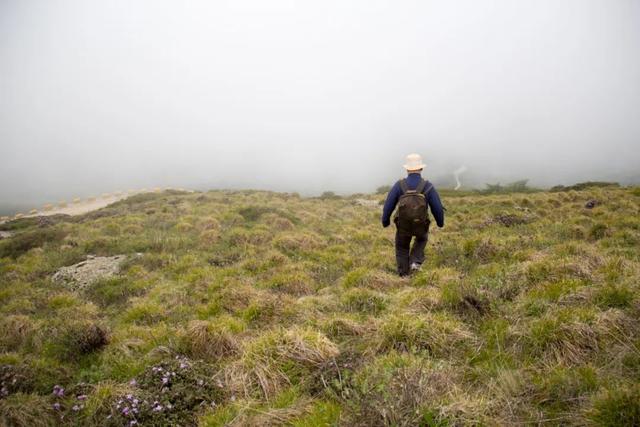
(390, 204)
(436, 207)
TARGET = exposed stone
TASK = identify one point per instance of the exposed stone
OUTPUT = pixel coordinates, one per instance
(591, 204)
(507, 220)
(5, 234)
(83, 274)
(368, 203)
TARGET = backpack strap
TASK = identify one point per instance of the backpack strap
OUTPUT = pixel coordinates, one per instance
(429, 188)
(403, 186)
(421, 185)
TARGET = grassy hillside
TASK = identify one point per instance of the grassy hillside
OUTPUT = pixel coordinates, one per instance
(256, 308)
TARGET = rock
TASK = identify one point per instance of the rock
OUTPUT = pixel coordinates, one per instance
(5, 234)
(507, 220)
(591, 204)
(81, 275)
(368, 203)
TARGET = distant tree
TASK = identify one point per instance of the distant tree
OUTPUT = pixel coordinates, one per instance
(329, 195)
(513, 187)
(583, 185)
(383, 189)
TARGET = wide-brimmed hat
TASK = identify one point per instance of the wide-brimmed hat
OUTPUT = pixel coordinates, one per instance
(414, 162)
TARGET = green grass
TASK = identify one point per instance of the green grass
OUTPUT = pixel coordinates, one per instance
(287, 311)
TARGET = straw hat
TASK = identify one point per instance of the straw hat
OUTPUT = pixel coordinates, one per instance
(414, 162)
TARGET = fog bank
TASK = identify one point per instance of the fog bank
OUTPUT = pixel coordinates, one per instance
(310, 96)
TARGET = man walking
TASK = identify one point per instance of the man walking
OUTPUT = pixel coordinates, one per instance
(412, 195)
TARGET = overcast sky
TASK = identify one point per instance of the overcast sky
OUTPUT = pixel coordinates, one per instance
(313, 95)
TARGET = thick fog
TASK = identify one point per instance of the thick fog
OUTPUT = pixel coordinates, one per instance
(310, 96)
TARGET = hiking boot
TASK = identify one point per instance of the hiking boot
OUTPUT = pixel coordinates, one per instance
(415, 267)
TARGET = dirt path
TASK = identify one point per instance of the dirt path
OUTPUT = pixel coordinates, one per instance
(81, 207)
(74, 208)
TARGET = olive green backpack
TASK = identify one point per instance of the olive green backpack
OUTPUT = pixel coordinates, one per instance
(412, 216)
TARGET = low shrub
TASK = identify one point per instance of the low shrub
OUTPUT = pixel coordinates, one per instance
(27, 410)
(212, 340)
(617, 407)
(15, 331)
(15, 379)
(280, 357)
(364, 301)
(614, 296)
(114, 291)
(166, 394)
(27, 240)
(437, 334)
(81, 338)
(397, 388)
(598, 231)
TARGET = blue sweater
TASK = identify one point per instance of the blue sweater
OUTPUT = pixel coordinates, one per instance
(433, 200)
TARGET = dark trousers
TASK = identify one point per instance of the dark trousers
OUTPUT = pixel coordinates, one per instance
(406, 254)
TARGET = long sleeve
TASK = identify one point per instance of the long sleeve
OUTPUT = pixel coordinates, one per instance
(436, 207)
(390, 204)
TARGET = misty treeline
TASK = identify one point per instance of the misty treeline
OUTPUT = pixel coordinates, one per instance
(519, 186)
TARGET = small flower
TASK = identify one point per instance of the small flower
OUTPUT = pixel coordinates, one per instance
(58, 391)
(165, 380)
(157, 408)
(75, 408)
(133, 422)
(82, 397)
(200, 382)
(56, 406)
(133, 382)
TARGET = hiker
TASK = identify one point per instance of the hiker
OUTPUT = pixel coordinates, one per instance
(412, 195)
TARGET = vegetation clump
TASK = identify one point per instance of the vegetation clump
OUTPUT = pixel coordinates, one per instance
(513, 187)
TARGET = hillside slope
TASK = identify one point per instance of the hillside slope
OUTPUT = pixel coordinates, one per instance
(256, 308)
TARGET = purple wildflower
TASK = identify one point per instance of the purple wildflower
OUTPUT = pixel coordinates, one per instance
(56, 406)
(133, 382)
(157, 408)
(82, 397)
(75, 408)
(58, 391)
